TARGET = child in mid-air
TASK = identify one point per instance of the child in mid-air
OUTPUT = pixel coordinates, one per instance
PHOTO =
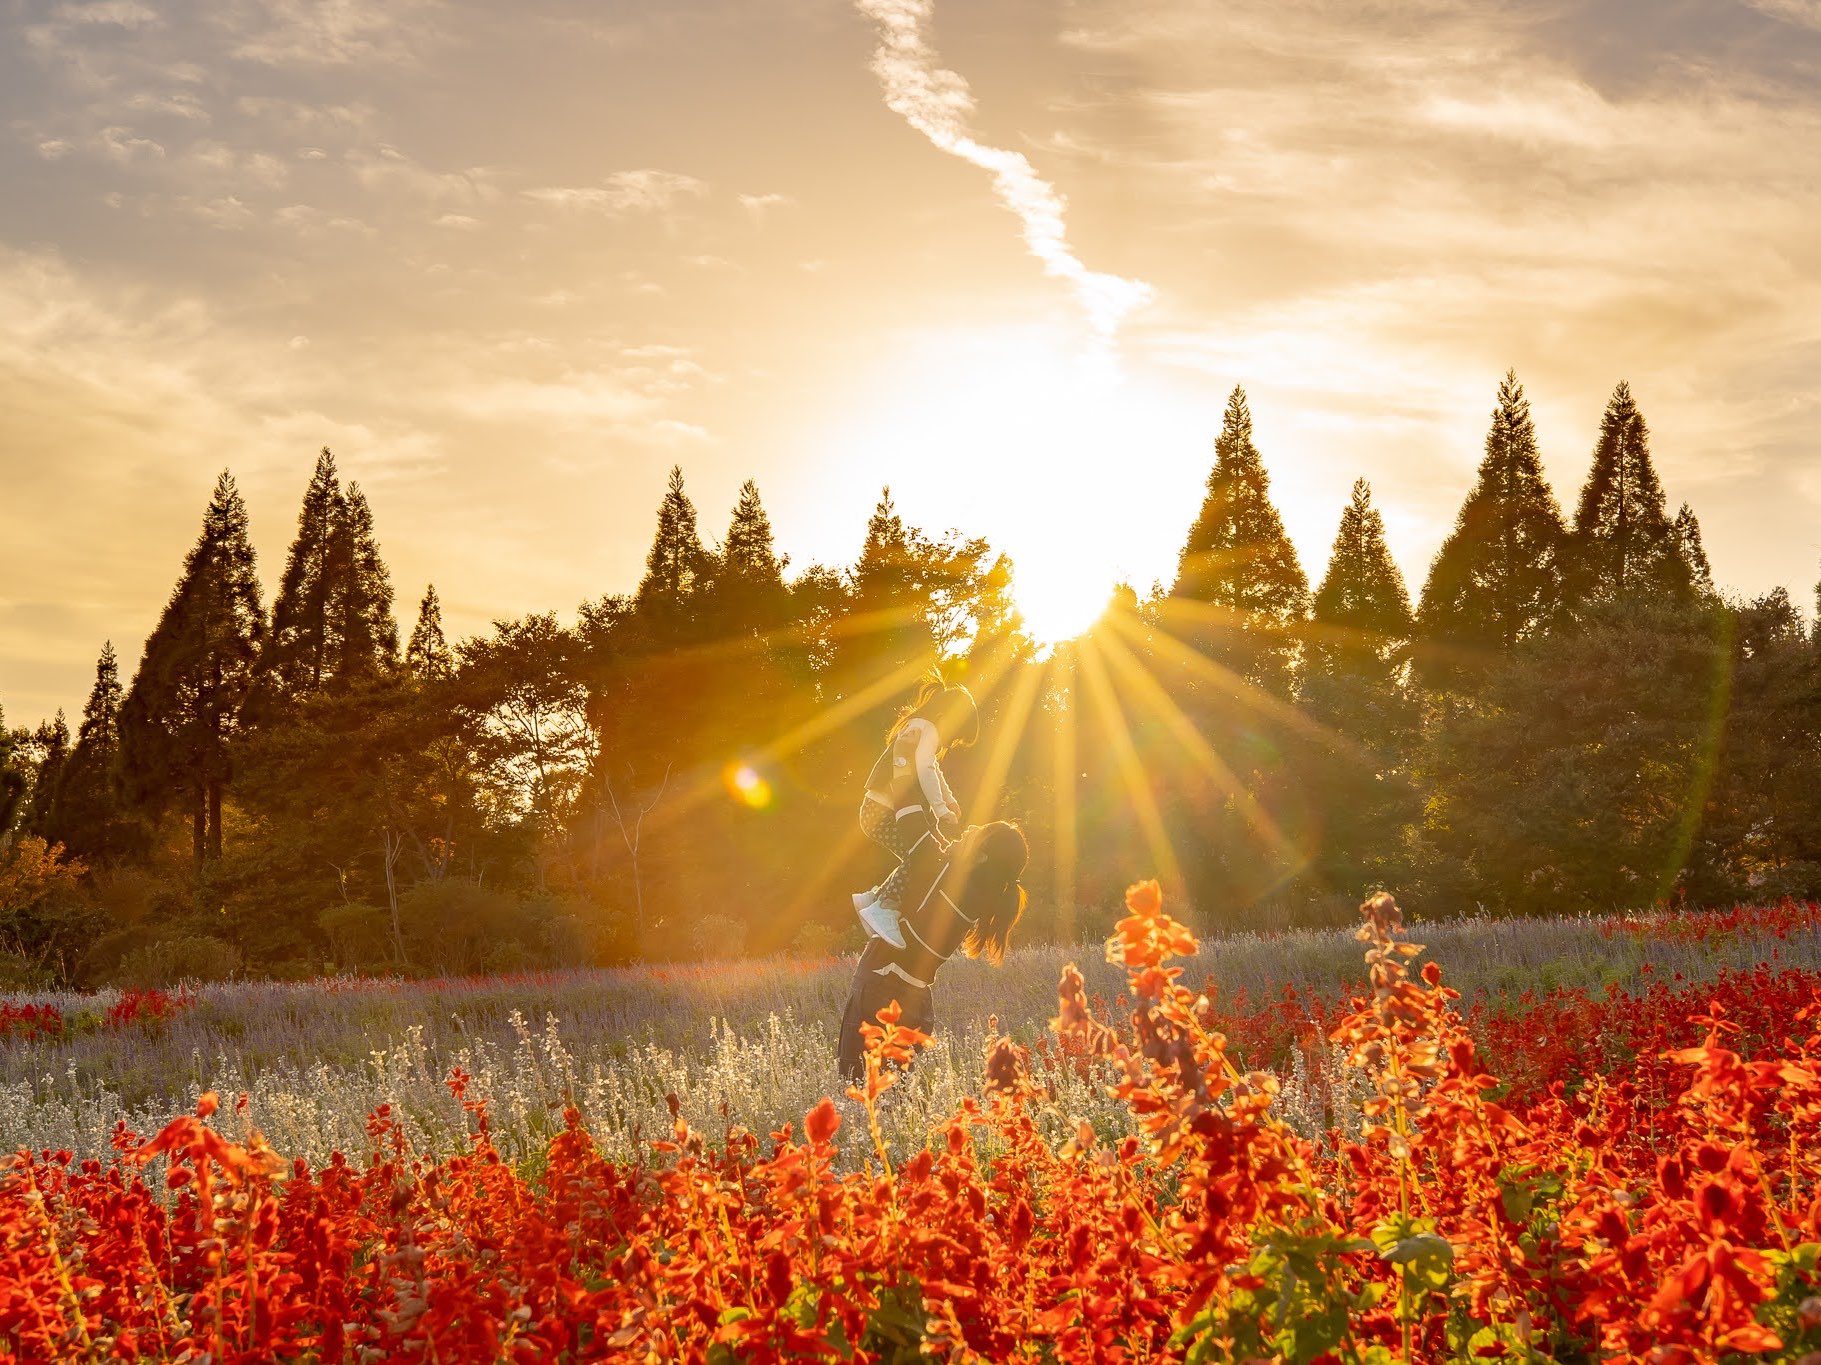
(907, 798)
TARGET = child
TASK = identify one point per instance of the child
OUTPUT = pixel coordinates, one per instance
(907, 798)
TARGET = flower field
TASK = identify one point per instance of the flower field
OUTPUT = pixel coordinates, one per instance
(1595, 1140)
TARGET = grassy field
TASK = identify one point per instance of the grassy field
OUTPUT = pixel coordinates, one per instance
(747, 1043)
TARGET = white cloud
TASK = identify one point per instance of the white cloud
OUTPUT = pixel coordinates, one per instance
(225, 213)
(1806, 13)
(386, 168)
(254, 168)
(309, 221)
(625, 192)
(759, 206)
(296, 116)
(937, 103)
(180, 105)
(110, 13)
(330, 32)
(54, 148)
(122, 147)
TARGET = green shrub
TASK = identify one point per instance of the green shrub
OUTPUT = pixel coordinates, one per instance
(360, 936)
(19, 973)
(456, 927)
(718, 936)
(168, 962)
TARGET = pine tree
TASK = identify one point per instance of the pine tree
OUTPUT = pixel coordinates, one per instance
(87, 817)
(1362, 609)
(1355, 687)
(427, 656)
(1694, 555)
(1623, 543)
(14, 779)
(297, 659)
(51, 743)
(184, 707)
(1498, 577)
(747, 592)
(1239, 561)
(365, 637)
(885, 628)
(677, 567)
(332, 623)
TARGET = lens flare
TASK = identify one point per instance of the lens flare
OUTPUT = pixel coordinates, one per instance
(747, 785)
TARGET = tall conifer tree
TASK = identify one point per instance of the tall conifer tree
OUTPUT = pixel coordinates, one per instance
(1239, 561)
(1355, 685)
(748, 591)
(14, 779)
(1694, 554)
(51, 741)
(332, 622)
(365, 636)
(1624, 545)
(1498, 577)
(297, 659)
(1362, 609)
(427, 656)
(676, 568)
(184, 707)
(887, 628)
(87, 817)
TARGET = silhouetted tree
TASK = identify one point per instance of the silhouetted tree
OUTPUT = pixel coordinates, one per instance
(332, 622)
(1694, 556)
(15, 779)
(1355, 686)
(366, 636)
(182, 713)
(1760, 827)
(1623, 543)
(50, 750)
(676, 568)
(1362, 618)
(88, 817)
(300, 653)
(1238, 569)
(746, 592)
(427, 656)
(1497, 579)
(1576, 785)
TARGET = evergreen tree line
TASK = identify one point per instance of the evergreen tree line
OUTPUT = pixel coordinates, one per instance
(1568, 718)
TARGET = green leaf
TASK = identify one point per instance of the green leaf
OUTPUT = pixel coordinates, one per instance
(1426, 1257)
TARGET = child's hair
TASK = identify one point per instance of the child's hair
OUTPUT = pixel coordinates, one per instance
(948, 706)
(990, 858)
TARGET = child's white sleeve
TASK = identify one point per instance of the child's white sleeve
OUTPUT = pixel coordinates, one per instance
(929, 776)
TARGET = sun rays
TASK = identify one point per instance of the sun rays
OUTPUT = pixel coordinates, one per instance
(1129, 726)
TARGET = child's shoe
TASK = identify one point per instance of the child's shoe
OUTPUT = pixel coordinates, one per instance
(881, 921)
(862, 899)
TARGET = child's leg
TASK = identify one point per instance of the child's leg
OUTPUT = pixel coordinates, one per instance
(880, 824)
(911, 826)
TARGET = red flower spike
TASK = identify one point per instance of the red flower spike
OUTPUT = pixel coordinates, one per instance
(820, 1123)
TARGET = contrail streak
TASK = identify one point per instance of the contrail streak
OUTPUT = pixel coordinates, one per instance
(937, 102)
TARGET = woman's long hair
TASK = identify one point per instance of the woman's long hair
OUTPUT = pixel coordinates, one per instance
(948, 706)
(990, 857)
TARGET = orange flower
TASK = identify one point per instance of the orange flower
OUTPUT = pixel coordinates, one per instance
(1144, 898)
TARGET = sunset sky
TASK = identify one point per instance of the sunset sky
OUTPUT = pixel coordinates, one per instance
(513, 262)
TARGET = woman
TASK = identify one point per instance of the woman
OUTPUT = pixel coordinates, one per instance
(907, 798)
(966, 898)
